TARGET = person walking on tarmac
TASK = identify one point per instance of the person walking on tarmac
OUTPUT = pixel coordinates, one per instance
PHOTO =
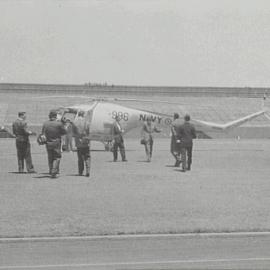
(23, 146)
(175, 143)
(118, 141)
(147, 137)
(53, 130)
(186, 133)
(81, 131)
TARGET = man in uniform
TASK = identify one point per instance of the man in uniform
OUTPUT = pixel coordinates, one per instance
(53, 130)
(148, 129)
(23, 146)
(69, 136)
(186, 133)
(117, 132)
(81, 130)
(175, 143)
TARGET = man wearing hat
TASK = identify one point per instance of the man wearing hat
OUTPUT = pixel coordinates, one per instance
(81, 131)
(23, 146)
(186, 133)
(175, 143)
(53, 130)
(118, 139)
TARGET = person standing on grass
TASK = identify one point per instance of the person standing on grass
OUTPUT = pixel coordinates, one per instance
(118, 140)
(147, 137)
(175, 143)
(53, 130)
(81, 131)
(69, 136)
(23, 146)
(186, 133)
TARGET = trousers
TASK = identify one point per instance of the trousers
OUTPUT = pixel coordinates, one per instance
(84, 158)
(149, 148)
(68, 142)
(175, 149)
(119, 144)
(54, 157)
(186, 157)
(24, 153)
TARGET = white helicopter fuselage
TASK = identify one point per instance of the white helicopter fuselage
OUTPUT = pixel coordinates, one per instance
(101, 116)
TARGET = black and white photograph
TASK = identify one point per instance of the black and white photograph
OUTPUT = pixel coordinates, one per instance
(134, 134)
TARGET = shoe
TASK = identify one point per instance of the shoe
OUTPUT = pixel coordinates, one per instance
(115, 160)
(80, 174)
(32, 172)
(54, 175)
(124, 160)
(87, 175)
(177, 163)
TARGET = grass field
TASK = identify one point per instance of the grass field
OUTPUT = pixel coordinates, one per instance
(227, 190)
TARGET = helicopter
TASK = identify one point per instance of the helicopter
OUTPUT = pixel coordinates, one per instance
(101, 113)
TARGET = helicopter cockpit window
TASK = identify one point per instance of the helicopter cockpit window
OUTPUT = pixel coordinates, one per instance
(70, 115)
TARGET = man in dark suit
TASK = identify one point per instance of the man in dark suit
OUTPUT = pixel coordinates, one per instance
(175, 143)
(23, 146)
(118, 140)
(81, 131)
(186, 133)
(53, 130)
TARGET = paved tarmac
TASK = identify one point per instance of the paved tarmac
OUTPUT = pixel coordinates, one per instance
(192, 251)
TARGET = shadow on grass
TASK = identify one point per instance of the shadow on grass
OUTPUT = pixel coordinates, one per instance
(77, 175)
(111, 161)
(42, 176)
(18, 172)
(180, 170)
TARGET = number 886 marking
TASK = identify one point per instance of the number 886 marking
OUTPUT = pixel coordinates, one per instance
(121, 115)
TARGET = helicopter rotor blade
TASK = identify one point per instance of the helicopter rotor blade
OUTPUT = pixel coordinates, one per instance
(146, 100)
(67, 96)
(115, 99)
(150, 101)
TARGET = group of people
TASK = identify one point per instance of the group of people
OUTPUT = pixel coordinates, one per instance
(182, 135)
(51, 136)
(147, 138)
(53, 130)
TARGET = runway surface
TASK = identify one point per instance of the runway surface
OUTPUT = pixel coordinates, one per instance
(205, 251)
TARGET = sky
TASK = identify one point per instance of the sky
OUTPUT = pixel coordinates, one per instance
(136, 42)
